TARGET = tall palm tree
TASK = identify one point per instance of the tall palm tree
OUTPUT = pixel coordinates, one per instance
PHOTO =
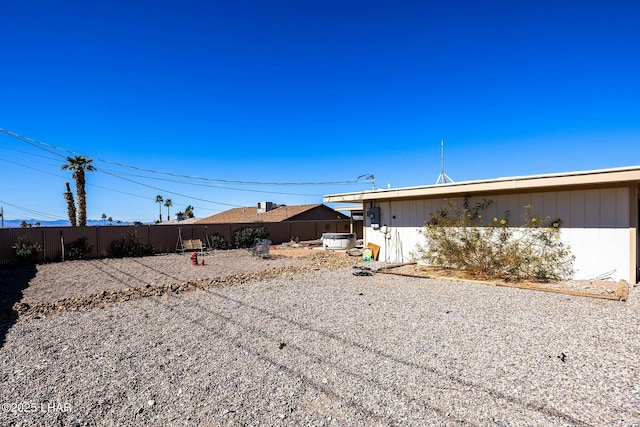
(159, 201)
(71, 205)
(168, 203)
(104, 219)
(79, 165)
(188, 211)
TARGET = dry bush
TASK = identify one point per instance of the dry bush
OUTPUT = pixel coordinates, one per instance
(458, 238)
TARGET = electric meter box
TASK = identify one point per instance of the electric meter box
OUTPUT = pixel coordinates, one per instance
(374, 216)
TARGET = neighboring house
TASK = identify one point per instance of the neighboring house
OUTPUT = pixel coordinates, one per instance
(303, 222)
(599, 210)
(270, 212)
(179, 220)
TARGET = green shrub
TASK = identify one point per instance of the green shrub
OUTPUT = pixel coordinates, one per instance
(78, 249)
(26, 251)
(217, 241)
(458, 238)
(130, 246)
(244, 237)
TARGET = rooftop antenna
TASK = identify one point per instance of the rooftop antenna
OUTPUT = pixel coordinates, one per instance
(370, 178)
(443, 178)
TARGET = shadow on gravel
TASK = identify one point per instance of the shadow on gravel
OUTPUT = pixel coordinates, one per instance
(456, 381)
(132, 280)
(13, 280)
(174, 278)
(303, 378)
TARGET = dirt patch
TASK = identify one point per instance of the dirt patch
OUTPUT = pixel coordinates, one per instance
(588, 288)
(294, 252)
(304, 251)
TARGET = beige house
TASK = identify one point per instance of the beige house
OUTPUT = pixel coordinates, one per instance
(599, 210)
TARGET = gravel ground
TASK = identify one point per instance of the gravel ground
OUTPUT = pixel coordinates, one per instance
(61, 280)
(320, 346)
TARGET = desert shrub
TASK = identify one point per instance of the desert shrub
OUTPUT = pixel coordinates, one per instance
(130, 246)
(458, 238)
(244, 237)
(78, 249)
(25, 250)
(217, 241)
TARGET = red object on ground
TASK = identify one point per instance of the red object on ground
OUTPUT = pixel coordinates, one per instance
(194, 258)
(202, 262)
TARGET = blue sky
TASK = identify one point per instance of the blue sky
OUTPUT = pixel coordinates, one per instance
(305, 92)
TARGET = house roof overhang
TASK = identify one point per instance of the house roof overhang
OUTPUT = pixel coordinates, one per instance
(624, 176)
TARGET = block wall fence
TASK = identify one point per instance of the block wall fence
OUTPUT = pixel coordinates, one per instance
(163, 238)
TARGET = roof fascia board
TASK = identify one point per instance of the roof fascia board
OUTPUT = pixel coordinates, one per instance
(618, 176)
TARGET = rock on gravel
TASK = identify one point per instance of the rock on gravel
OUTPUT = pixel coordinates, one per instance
(322, 346)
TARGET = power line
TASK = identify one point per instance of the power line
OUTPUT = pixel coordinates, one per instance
(113, 173)
(49, 147)
(28, 153)
(185, 179)
(32, 168)
(157, 178)
(172, 192)
(32, 211)
(210, 185)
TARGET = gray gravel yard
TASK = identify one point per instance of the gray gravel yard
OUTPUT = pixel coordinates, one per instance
(325, 347)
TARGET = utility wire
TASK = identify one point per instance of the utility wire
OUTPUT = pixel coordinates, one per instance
(32, 168)
(49, 147)
(28, 153)
(114, 174)
(210, 185)
(172, 192)
(54, 150)
(33, 142)
(149, 177)
(29, 210)
(89, 185)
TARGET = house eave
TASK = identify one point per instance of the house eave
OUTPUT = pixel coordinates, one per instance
(594, 178)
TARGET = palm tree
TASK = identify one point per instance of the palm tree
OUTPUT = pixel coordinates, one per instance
(104, 219)
(188, 211)
(168, 204)
(159, 201)
(71, 205)
(110, 220)
(80, 164)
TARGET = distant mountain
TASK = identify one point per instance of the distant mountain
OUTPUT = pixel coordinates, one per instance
(15, 223)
